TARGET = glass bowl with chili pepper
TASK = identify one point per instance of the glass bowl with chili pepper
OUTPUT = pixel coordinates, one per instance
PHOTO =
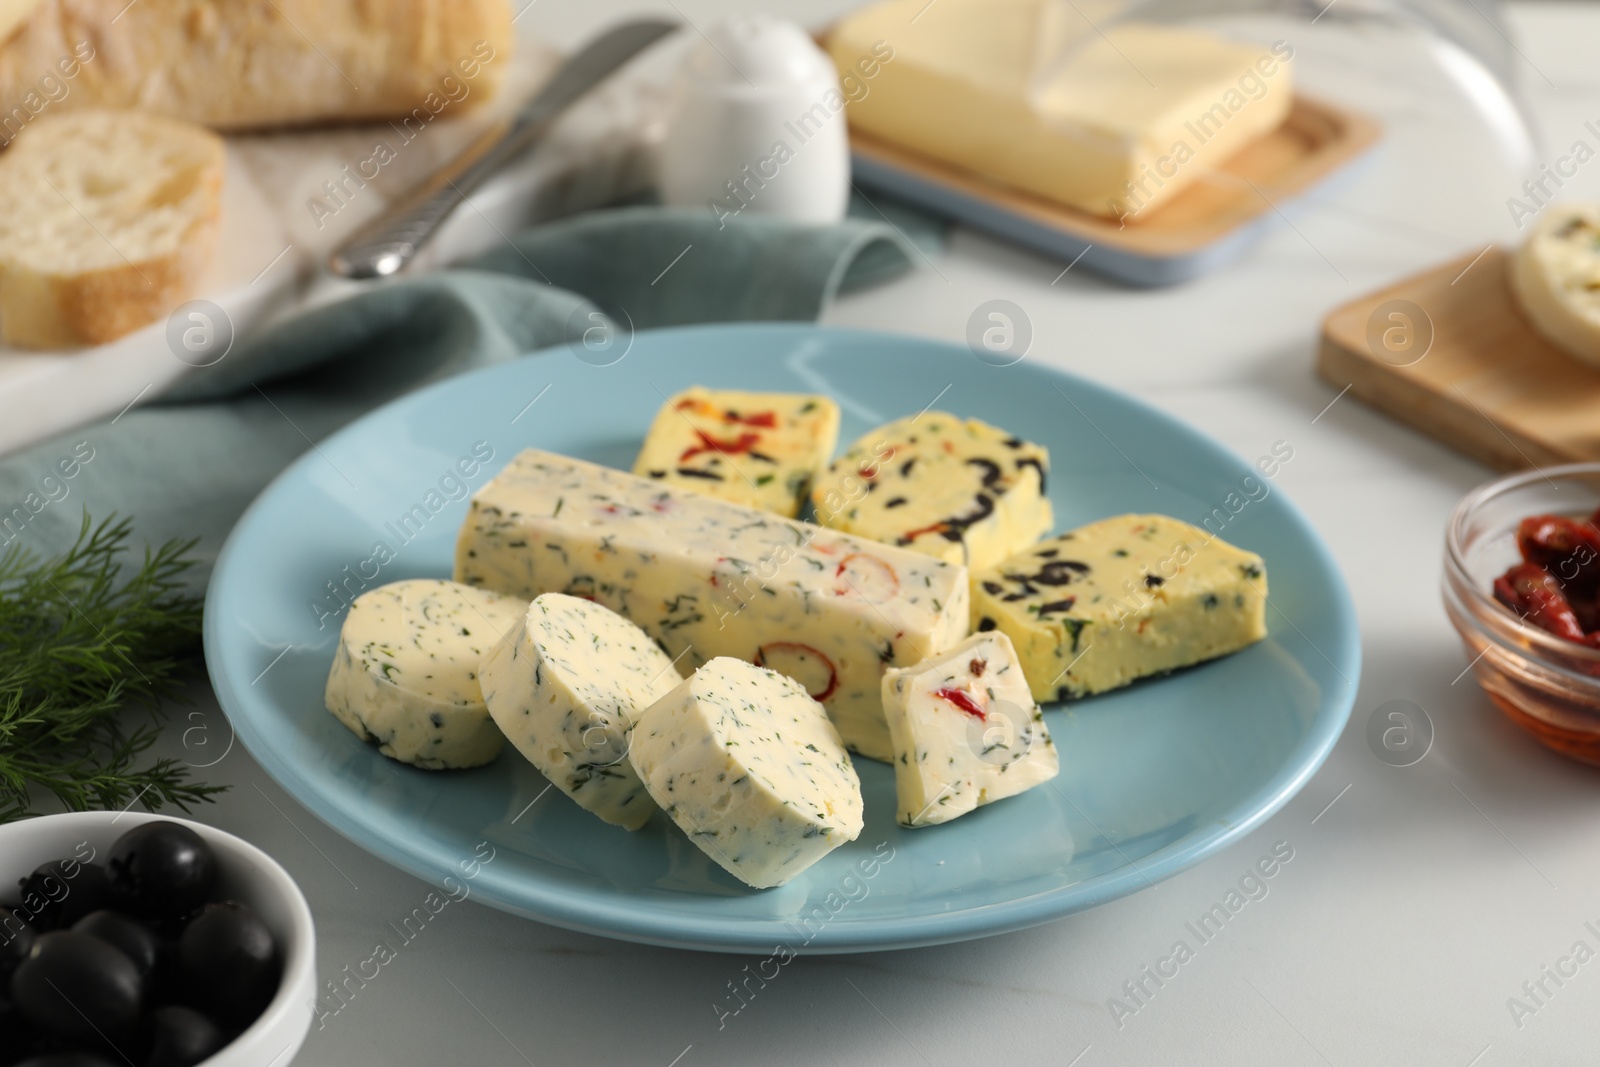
(1522, 585)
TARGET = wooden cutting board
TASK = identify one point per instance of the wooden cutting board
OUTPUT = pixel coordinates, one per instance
(1315, 139)
(1449, 352)
(1201, 227)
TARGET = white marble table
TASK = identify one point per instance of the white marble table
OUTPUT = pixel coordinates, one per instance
(1419, 899)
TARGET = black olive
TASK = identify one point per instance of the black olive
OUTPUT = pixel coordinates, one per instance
(161, 870)
(78, 987)
(16, 938)
(228, 963)
(1036, 465)
(1060, 572)
(984, 508)
(16, 1033)
(128, 936)
(990, 469)
(182, 1037)
(64, 891)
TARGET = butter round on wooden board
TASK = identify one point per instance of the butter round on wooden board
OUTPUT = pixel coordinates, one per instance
(405, 675)
(955, 489)
(751, 768)
(1555, 277)
(706, 578)
(566, 686)
(1122, 599)
(967, 731)
(762, 450)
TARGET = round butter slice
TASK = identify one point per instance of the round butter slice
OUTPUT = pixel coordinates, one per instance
(751, 768)
(565, 687)
(406, 672)
(1555, 277)
(955, 489)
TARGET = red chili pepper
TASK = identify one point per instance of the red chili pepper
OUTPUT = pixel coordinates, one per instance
(885, 571)
(911, 535)
(1534, 594)
(870, 469)
(1567, 548)
(768, 419)
(963, 700)
(745, 443)
(805, 650)
(1588, 612)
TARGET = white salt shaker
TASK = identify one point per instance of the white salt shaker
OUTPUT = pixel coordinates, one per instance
(756, 125)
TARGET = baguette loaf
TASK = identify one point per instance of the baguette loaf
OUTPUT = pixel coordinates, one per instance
(107, 221)
(13, 13)
(241, 64)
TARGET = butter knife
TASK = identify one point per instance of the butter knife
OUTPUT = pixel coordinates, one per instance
(387, 243)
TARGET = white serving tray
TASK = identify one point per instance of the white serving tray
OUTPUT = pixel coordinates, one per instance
(270, 255)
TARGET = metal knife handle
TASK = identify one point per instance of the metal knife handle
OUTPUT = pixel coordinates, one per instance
(387, 243)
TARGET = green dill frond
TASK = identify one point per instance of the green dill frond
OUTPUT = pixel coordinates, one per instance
(91, 646)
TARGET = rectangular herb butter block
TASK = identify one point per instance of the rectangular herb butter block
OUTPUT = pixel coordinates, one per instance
(758, 449)
(1063, 100)
(966, 731)
(956, 489)
(1119, 600)
(748, 765)
(706, 578)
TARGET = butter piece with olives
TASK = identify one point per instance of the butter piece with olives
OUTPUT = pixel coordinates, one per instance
(1119, 600)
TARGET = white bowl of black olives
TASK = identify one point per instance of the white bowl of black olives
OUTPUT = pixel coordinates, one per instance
(142, 941)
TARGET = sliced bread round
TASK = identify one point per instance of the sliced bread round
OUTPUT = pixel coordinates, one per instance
(107, 221)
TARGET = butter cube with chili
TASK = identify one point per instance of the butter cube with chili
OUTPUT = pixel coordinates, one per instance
(1121, 599)
(762, 450)
(955, 489)
(966, 731)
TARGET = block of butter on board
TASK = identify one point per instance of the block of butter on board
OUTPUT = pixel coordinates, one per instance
(1060, 99)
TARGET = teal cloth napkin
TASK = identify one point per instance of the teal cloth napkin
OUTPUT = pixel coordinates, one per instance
(189, 465)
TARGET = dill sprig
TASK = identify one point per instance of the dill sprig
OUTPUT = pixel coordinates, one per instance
(90, 648)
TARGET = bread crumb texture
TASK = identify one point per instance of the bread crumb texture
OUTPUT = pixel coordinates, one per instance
(107, 220)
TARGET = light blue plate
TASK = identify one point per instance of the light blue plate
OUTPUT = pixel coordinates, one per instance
(1153, 778)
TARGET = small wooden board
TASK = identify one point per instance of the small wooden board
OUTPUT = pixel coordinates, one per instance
(1488, 386)
(1200, 227)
